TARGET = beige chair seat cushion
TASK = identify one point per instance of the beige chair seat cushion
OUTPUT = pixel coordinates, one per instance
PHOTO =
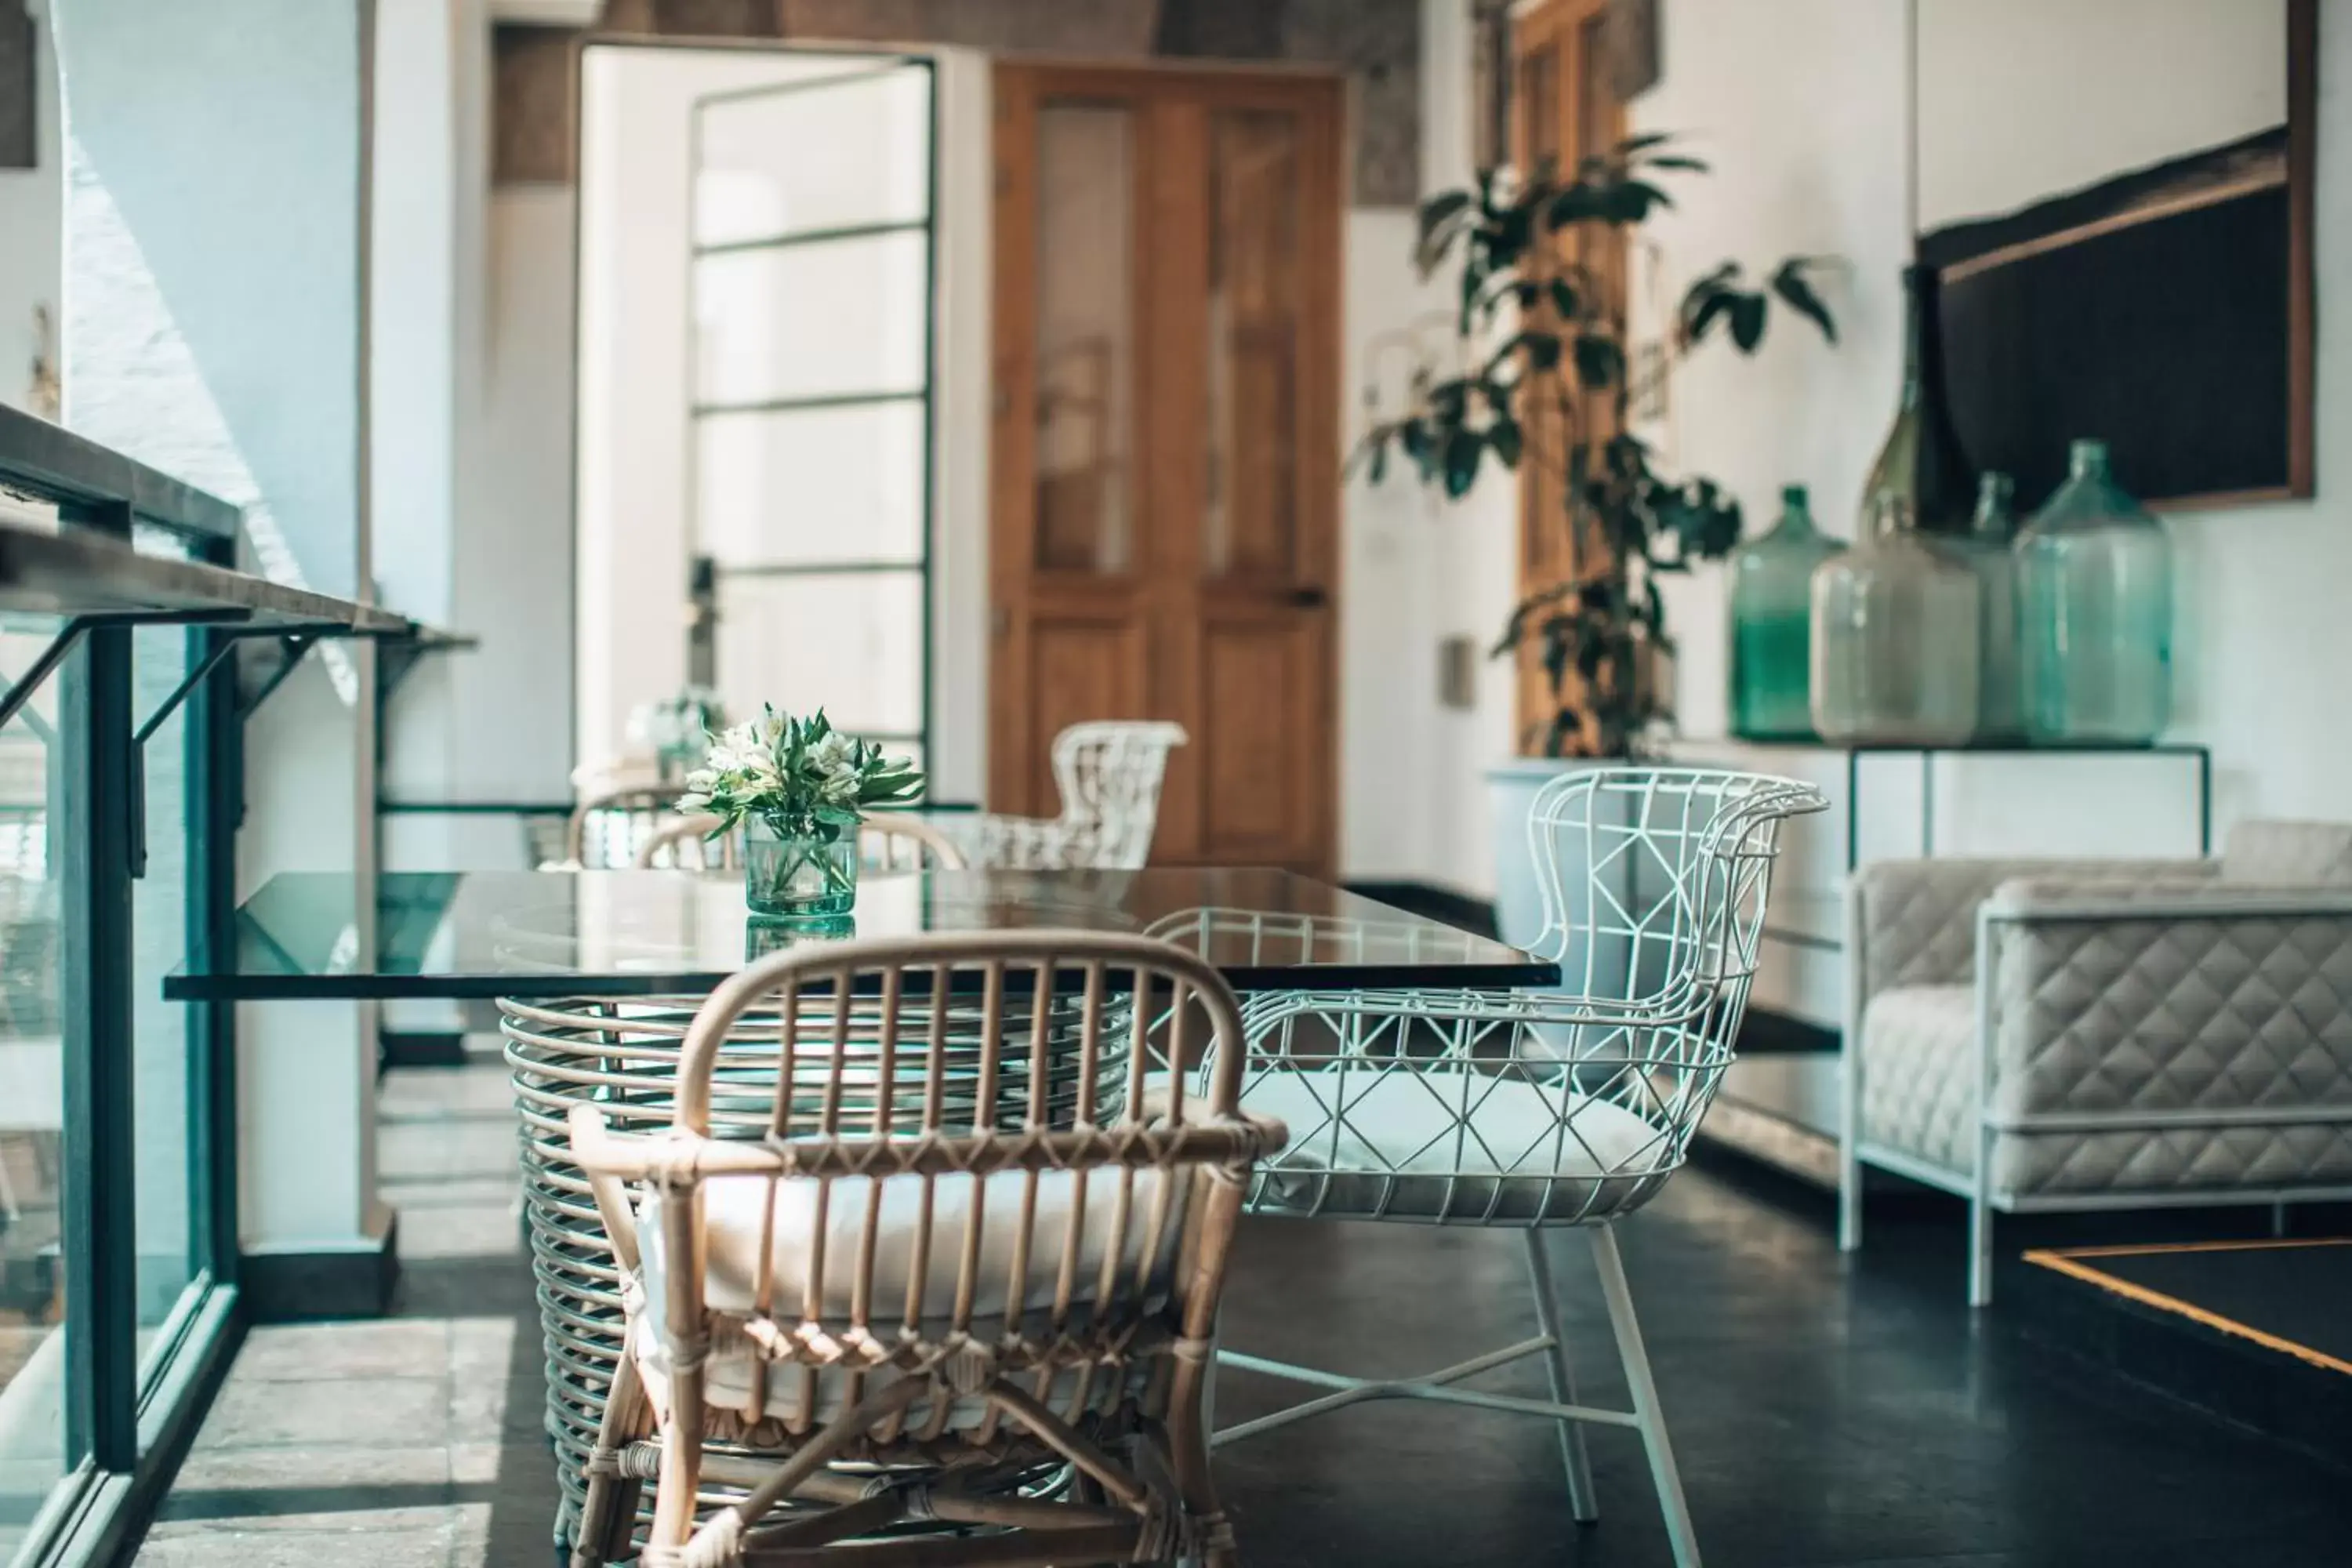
(738, 1211)
(1449, 1145)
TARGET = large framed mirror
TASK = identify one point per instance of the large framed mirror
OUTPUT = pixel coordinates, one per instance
(2116, 198)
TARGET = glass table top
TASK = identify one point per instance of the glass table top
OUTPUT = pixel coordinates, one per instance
(569, 933)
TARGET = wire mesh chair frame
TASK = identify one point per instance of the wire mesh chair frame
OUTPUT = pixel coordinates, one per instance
(1109, 772)
(1530, 1108)
(885, 844)
(821, 1073)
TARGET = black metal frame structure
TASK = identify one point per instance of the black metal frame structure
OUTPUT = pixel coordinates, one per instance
(127, 1426)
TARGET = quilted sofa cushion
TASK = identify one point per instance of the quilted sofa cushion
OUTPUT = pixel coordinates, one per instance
(1918, 1078)
(2289, 854)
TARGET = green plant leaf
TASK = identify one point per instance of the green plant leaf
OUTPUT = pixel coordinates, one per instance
(1440, 207)
(1643, 143)
(1701, 307)
(1748, 321)
(1563, 299)
(1788, 282)
(1462, 449)
(1678, 161)
(1631, 201)
(1600, 361)
(1502, 436)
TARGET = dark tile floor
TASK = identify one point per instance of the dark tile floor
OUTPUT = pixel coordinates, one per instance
(1823, 1415)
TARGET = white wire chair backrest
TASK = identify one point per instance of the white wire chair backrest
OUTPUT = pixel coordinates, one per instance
(1654, 878)
(1109, 772)
(948, 1059)
(884, 844)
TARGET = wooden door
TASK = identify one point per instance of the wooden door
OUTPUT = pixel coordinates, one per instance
(1562, 109)
(1165, 464)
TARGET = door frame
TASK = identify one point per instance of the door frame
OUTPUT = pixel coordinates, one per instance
(1155, 445)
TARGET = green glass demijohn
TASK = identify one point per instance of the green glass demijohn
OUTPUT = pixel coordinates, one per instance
(2095, 610)
(1895, 637)
(1922, 462)
(1771, 619)
(1988, 548)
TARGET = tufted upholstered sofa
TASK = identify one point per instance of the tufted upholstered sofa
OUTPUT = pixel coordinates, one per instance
(2047, 1035)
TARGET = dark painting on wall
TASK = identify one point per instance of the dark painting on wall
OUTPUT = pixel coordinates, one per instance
(19, 144)
(2154, 311)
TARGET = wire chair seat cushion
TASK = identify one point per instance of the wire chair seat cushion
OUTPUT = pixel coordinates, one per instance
(748, 1222)
(1460, 1144)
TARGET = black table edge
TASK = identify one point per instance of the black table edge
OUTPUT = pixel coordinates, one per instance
(1534, 974)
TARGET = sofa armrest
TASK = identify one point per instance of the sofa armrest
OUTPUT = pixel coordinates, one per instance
(2171, 1000)
(1914, 922)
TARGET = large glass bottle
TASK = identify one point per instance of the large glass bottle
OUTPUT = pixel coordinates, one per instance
(1771, 618)
(1987, 548)
(1895, 638)
(1922, 461)
(2094, 608)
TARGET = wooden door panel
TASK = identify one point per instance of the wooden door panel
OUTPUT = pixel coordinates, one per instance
(1079, 666)
(1261, 680)
(1165, 497)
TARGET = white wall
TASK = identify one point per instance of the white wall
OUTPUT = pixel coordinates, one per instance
(215, 329)
(2086, 90)
(1416, 569)
(32, 233)
(1799, 106)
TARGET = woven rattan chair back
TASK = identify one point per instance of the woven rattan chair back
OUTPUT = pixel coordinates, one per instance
(609, 824)
(893, 843)
(977, 1234)
(686, 844)
(884, 844)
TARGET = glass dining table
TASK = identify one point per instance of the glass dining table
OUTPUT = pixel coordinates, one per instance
(595, 974)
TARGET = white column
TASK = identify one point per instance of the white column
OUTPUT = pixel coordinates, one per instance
(214, 327)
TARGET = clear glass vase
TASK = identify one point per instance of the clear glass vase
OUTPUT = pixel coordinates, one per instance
(795, 875)
(1895, 638)
(1987, 549)
(1771, 620)
(2095, 607)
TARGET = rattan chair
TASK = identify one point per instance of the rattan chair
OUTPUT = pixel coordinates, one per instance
(609, 824)
(1109, 772)
(884, 844)
(1520, 1109)
(809, 1281)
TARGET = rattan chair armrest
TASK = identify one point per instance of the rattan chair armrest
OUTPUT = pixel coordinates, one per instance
(679, 1159)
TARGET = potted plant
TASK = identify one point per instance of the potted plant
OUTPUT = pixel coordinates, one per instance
(798, 789)
(1549, 376)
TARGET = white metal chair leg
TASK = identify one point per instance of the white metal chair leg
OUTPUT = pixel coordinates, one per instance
(1581, 1499)
(1980, 1252)
(1638, 1383)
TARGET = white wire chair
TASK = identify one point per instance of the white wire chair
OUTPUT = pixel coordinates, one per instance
(817, 1314)
(884, 844)
(1525, 1109)
(1109, 772)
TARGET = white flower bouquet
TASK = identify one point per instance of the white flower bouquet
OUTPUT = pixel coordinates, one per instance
(798, 788)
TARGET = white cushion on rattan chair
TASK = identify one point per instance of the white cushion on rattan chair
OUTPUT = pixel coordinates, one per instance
(735, 1213)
